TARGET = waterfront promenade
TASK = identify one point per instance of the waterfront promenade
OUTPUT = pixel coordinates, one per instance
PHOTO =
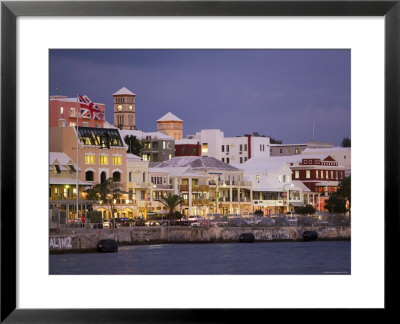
(82, 239)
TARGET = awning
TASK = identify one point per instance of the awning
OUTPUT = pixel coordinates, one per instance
(296, 204)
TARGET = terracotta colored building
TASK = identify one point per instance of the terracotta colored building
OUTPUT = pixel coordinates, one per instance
(66, 111)
(170, 125)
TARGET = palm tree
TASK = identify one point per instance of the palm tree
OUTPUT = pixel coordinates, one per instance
(106, 192)
(171, 201)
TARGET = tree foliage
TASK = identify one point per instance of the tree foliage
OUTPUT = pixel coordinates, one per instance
(134, 145)
(94, 216)
(305, 210)
(171, 202)
(337, 201)
(346, 142)
(274, 141)
(106, 192)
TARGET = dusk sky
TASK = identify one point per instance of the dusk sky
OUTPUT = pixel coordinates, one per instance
(276, 93)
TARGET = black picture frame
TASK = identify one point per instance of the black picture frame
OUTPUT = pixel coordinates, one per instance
(10, 10)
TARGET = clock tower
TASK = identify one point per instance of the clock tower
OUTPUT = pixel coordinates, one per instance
(124, 109)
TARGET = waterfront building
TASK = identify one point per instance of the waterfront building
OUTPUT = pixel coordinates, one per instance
(209, 185)
(138, 186)
(319, 173)
(63, 189)
(157, 147)
(229, 150)
(274, 191)
(170, 125)
(295, 149)
(101, 152)
(66, 111)
(124, 109)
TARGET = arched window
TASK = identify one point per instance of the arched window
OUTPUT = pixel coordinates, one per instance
(89, 176)
(117, 176)
(103, 177)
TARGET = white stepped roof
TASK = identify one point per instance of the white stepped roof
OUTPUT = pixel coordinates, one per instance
(123, 91)
(169, 117)
(140, 135)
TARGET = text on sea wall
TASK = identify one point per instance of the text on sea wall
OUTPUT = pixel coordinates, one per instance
(60, 243)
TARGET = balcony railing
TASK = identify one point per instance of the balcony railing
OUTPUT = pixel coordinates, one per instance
(162, 186)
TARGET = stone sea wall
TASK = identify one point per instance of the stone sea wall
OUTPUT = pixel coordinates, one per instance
(80, 239)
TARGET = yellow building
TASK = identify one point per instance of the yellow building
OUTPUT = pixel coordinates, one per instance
(170, 125)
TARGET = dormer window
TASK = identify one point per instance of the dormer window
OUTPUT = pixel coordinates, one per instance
(57, 169)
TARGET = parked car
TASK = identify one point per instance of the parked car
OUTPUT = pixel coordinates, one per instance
(195, 224)
(106, 223)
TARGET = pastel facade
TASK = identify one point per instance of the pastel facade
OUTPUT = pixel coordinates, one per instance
(274, 192)
(65, 111)
(209, 186)
(101, 152)
(138, 185)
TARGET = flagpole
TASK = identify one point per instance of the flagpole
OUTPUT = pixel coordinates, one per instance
(77, 159)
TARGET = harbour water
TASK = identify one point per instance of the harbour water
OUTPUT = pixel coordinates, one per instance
(267, 258)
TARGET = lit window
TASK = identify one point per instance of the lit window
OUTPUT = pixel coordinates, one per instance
(163, 144)
(117, 160)
(72, 113)
(103, 159)
(56, 169)
(331, 174)
(326, 175)
(336, 175)
(297, 174)
(297, 151)
(89, 159)
(71, 124)
(316, 174)
(61, 110)
(204, 148)
(169, 156)
(308, 174)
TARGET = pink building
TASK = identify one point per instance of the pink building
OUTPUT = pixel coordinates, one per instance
(66, 111)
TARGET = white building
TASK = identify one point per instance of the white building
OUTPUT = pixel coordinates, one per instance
(228, 149)
(274, 192)
(342, 155)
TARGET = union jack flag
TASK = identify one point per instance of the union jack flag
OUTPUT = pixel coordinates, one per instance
(89, 109)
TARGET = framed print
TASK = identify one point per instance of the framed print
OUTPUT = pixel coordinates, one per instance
(38, 38)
